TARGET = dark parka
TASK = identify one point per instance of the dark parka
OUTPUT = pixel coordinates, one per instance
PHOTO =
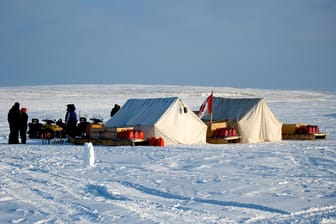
(115, 109)
(23, 126)
(14, 121)
(71, 120)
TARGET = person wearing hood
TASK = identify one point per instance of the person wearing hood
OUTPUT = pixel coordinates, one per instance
(14, 121)
(115, 109)
(71, 120)
(23, 126)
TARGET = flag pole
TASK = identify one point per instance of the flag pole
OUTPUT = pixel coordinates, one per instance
(210, 106)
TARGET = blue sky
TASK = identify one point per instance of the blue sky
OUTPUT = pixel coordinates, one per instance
(284, 44)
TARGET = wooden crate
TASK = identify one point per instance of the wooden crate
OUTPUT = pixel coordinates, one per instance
(96, 125)
(218, 125)
(100, 133)
(289, 128)
(107, 133)
(121, 129)
(215, 125)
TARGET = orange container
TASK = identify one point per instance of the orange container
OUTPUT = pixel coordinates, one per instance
(234, 132)
(152, 141)
(159, 142)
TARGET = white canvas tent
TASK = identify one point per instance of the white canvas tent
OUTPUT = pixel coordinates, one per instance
(256, 122)
(169, 118)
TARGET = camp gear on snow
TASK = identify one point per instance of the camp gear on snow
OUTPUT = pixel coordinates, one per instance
(169, 118)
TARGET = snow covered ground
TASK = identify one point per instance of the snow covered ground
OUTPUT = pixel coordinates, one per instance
(281, 182)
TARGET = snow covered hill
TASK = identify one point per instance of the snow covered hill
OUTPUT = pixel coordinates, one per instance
(281, 182)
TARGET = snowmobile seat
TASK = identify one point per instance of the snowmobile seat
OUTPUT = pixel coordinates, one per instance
(35, 121)
(49, 122)
(96, 120)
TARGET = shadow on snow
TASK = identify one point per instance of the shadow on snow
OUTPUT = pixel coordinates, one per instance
(101, 191)
(205, 201)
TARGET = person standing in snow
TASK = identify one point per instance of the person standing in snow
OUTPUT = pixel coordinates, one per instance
(115, 109)
(71, 120)
(23, 125)
(14, 121)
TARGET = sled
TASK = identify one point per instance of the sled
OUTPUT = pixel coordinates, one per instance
(301, 132)
(77, 140)
(225, 140)
(304, 136)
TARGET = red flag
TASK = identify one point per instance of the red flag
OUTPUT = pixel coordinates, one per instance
(206, 105)
(210, 102)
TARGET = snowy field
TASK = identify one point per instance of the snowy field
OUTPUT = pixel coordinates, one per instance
(281, 182)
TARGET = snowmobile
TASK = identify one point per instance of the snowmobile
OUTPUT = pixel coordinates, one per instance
(50, 130)
(35, 127)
